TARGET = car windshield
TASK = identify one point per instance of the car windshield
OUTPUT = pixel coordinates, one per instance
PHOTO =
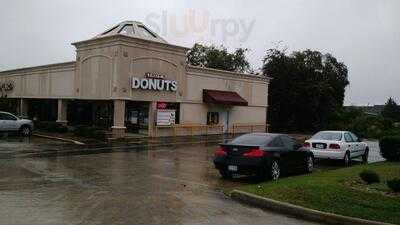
(327, 135)
(252, 139)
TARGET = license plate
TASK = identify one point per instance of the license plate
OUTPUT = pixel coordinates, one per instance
(232, 168)
(321, 146)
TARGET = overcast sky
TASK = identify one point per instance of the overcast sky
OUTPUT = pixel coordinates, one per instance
(364, 34)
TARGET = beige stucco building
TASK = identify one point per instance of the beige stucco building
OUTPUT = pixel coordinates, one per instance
(130, 80)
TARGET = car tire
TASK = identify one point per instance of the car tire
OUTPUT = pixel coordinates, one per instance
(365, 155)
(309, 167)
(225, 174)
(347, 159)
(275, 170)
(25, 131)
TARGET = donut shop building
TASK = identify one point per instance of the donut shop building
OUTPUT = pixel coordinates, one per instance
(129, 80)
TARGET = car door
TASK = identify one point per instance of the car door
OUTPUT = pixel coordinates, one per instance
(295, 156)
(2, 123)
(9, 122)
(359, 146)
(350, 144)
(279, 149)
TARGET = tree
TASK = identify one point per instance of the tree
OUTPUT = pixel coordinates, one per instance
(307, 87)
(391, 110)
(218, 58)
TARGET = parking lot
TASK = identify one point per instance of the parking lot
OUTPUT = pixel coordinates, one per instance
(163, 185)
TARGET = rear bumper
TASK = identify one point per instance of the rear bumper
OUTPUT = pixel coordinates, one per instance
(327, 154)
(244, 165)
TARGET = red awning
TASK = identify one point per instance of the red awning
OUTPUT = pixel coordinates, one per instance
(223, 97)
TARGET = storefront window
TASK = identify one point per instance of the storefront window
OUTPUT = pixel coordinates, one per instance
(136, 116)
(212, 118)
(9, 105)
(42, 109)
(90, 113)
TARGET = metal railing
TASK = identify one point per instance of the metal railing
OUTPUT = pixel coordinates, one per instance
(191, 129)
(249, 127)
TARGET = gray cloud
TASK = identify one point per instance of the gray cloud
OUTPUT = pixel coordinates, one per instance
(364, 34)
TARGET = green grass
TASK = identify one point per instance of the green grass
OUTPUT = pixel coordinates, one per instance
(339, 191)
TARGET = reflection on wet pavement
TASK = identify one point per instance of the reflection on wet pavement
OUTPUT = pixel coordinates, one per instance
(174, 185)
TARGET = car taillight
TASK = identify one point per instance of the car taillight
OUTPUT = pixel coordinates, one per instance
(254, 153)
(306, 145)
(334, 146)
(221, 152)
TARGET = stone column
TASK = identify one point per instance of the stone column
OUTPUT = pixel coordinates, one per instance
(23, 107)
(152, 118)
(62, 111)
(118, 129)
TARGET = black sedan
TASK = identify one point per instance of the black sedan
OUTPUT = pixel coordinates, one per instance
(265, 155)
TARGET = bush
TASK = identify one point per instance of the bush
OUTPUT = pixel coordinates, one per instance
(369, 176)
(394, 184)
(51, 126)
(89, 132)
(390, 147)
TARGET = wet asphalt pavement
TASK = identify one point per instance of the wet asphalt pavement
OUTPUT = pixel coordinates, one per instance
(163, 185)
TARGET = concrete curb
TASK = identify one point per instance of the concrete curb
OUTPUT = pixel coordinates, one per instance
(58, 138)
(298, 211)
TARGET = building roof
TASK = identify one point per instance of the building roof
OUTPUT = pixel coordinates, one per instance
(132, 29)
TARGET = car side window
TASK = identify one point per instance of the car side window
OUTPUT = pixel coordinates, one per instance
(348, 138)
(355, 138)
(276, 142)
(2, 116)
(5, 116)
(288, 142)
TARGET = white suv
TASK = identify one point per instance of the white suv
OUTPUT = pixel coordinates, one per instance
(342, 145)
(10, 122)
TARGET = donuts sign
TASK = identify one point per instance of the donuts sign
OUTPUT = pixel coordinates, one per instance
(154, 82)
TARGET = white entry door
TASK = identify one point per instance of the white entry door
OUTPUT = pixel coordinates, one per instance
(224, 120)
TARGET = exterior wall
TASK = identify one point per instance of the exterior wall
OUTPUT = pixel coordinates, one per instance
(105, 71)
(254, 90)
(95, 68)
(193, 113)
(51, 81)
(140, 60)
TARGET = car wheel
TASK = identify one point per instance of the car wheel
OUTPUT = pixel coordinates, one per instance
(365, 156)
(25, 131)
(309, 164)
(346, 159)
(225, 174)
(275, 170)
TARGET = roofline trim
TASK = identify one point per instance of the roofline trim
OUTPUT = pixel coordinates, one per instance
(121, 37)
(40, 67)
(225, 72)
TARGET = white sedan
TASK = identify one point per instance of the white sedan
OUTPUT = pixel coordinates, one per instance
(342, 145)
(10, 122)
